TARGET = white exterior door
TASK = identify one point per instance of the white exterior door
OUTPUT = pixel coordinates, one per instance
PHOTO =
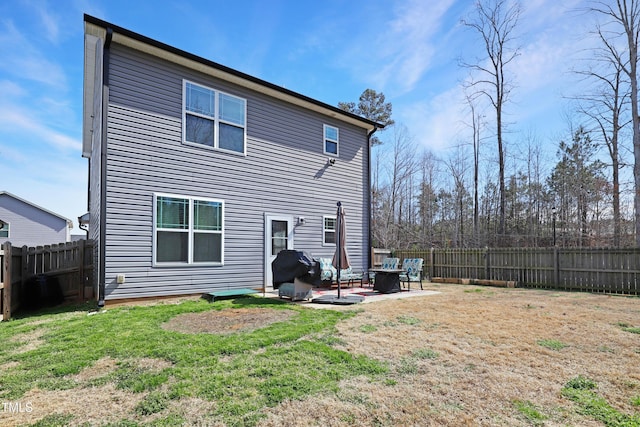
(278, 236)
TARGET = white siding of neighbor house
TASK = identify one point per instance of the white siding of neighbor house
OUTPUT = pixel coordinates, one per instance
(30, 225)
(284, 172)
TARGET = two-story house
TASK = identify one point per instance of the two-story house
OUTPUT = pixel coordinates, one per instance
(201, 174)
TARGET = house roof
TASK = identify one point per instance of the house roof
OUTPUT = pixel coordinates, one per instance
(96, 27)
(13, 196)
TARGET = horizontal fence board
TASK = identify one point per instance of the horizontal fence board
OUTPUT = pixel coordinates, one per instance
(605, 270)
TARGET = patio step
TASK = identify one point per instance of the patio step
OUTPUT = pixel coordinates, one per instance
(230, 293)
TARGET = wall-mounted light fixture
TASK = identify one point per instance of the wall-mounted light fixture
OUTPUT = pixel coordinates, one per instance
(2, 224)
(83, 222)
(302, 220)
(331, 161)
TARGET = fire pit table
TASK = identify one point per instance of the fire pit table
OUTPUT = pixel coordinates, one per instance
(387, 281)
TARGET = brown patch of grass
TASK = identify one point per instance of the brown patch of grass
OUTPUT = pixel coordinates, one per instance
(227, 321)
(194, 411)
(151, 363)
(29, 341)
(104, 404)
(99, 369)
(9, 365)
(488, 356)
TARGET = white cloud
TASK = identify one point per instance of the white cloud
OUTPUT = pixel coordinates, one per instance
(407, 48)
(17, 121)
(11, 89)
(21, 59)
(437, 123)
(49, 24)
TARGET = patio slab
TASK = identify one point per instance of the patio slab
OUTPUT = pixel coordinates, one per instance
(369, 296)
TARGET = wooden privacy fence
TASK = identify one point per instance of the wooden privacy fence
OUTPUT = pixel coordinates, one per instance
(608, 270)
(69, 263)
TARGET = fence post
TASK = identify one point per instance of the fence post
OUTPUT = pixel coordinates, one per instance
(6, 292)
(80, 263)
(487, 264)
(432, 263)
(556, 266)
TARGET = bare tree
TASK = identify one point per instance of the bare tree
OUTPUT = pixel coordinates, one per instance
(624, 21)
(394, 198)
(495, 21)
(605, 107)
(427, 199)
(475, 125)
(457, 166)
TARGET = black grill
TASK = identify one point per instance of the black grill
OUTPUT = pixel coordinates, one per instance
(292, 264)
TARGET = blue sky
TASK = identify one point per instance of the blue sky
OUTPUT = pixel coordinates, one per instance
(330, 50)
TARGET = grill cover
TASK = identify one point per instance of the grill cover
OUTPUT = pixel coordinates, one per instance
(291, 264)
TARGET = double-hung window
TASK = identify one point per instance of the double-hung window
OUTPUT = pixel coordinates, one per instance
(188, 230)
(331, 140)
(214, 119)
(329, 230)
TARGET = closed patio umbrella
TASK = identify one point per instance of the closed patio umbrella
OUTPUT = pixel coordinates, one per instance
(340, 261)
(341, 257)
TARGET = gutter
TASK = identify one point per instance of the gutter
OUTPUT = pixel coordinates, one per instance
(103, 168)
(369, 135)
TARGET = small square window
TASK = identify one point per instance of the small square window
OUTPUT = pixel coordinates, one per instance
(331, 140)
(329, 230)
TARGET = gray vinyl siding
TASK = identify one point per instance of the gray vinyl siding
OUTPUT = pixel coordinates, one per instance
(31, 226)
(95, 178)
(284, 172)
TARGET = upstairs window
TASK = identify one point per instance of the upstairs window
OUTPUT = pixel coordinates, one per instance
(329, 230)
(214, 119)
(330, 140)
(188, 230)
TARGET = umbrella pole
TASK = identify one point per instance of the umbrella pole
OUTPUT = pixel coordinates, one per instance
(339, 250)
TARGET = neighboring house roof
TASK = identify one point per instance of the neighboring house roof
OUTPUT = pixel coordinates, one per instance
(109, 32)
(6, 193)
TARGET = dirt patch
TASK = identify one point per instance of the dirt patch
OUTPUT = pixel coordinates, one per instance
(227, 321)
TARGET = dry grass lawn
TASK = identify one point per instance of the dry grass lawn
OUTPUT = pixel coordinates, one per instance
(466, 356)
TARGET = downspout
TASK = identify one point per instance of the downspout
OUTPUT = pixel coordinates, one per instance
(103, 167)
(369, 135)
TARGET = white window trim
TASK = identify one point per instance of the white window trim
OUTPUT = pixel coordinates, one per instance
(324, 230)
(325, 139)
(190, 262)
(216, 119)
